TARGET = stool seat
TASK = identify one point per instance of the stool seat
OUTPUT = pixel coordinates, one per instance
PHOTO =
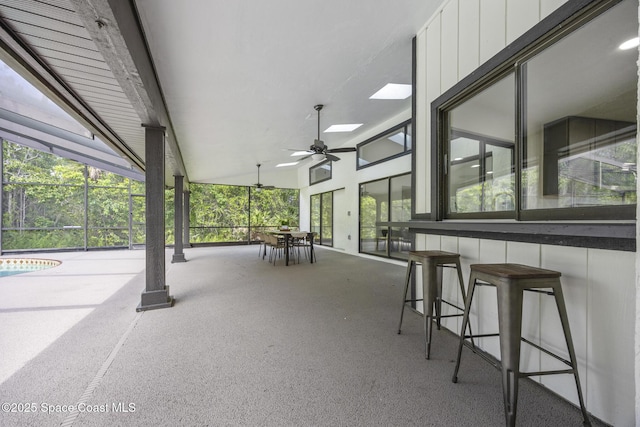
(432, 263)
(515, 271)
(511, 281)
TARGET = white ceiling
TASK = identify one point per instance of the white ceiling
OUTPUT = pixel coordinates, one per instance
(233, 82)
(240, 78)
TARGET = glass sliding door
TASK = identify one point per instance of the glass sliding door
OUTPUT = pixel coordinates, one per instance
(326, 229)
(322, 217)
(400, 203)
(374, 210)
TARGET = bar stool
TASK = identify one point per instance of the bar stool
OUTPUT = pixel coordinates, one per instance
(432, 263)
(511, 280)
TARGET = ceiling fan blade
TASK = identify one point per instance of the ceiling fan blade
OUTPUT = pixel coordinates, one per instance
(342, 150)
(332, 157)
(298, 150)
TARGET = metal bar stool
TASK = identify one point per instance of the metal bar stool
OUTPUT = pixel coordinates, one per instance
(432, 263)
(511, 280)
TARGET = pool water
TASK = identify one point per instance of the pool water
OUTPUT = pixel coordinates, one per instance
(11, 266)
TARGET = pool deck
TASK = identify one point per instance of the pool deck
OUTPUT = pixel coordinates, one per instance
(246, 343)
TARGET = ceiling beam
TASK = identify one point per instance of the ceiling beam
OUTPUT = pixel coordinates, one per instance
(21, 58)
(115, 29)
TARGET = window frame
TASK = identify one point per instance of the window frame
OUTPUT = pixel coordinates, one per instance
(389, 224)
(317, 166)
(560, 23)
(406, 150)
(320, 197)
(484, 141)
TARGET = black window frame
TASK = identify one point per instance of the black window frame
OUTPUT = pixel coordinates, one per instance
(407, 149)
(389, 224)
(563, 21)
(320, 196)
(483, 141)
(317, 166)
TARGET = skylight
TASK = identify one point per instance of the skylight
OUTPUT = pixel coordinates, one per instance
(282, 165)
(393, 91)
(343, 128)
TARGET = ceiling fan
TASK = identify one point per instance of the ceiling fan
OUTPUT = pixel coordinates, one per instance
(319, 151)
(260, 187)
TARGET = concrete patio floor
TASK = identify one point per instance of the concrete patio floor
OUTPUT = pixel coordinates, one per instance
(246, 343)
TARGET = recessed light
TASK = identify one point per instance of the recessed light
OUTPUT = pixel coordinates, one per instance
(282, 165)
(393, 91)
(475, 166)
(299, 153)
(629, 44)
(343, 128)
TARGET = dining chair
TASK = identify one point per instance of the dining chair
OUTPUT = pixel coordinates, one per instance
(262, 243)
(277, 245)
(299, 240)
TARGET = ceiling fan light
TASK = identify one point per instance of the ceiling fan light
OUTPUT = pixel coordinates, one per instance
(317, 156)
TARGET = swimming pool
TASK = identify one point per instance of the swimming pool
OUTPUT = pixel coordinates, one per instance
(11, 266)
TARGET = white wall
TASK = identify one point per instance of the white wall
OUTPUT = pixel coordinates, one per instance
(599, 285)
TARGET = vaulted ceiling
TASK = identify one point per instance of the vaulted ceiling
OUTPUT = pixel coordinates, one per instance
(233, 82)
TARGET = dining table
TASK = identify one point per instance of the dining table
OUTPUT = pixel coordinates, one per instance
(286, 235)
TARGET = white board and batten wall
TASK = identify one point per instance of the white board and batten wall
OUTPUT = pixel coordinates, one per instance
(599, 285)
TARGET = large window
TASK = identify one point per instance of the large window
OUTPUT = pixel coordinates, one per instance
(49, 202)
(229, 213)
(552, 133)
(388, 145)
(322, 217)
(384, 204)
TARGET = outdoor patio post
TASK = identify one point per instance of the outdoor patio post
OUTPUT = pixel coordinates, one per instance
(178, 254)
(156, 294)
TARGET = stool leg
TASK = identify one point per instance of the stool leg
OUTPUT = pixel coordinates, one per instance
(404, 295)
(464, 296)
(510, 327)
(438, 300)
(465, 321)
(564, 319)
(430, 293)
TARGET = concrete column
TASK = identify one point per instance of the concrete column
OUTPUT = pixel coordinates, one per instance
(156, 293)
(178, 254)
(186, 219)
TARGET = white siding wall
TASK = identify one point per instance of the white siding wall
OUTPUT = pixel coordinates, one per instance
(599, 289)
(599, 285)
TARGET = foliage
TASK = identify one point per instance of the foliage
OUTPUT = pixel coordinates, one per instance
(44, 206)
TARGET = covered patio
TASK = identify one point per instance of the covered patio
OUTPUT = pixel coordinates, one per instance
(246, 343)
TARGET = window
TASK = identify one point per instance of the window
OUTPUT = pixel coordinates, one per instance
(320, 172)
(322, 217)
(550, 134)
(388, 145)
(480, 152)
(383, 205)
